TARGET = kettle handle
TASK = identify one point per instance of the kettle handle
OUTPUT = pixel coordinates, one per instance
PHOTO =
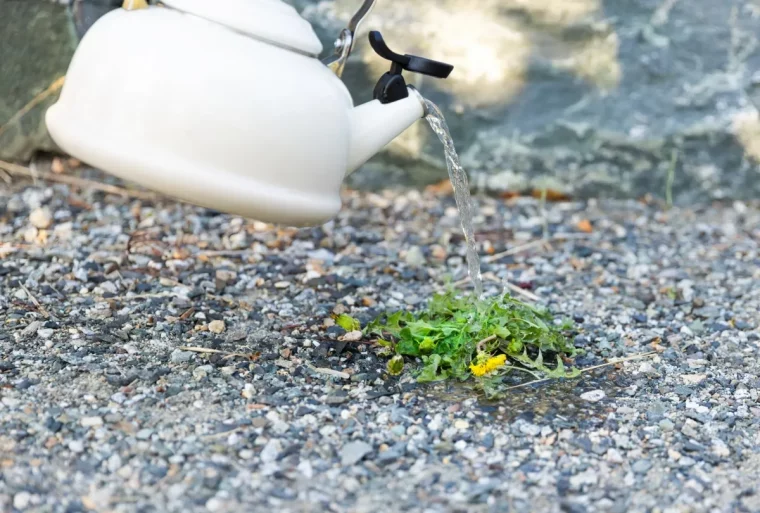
(345, 42)
(362, 13)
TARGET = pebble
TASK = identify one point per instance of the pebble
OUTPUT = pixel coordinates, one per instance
(249, 391)
(353, 452)
(22, 500)
(76, 446)
(693, 379)
(45, 333)
(336, 399)
(352, 336)
(529, 429)
(414, 257)
(144, 434)
(271, 450)
(641, 466)
(593, 396)
(91, 421)
(216, 326)
(41, 218)
(614, 456)
(179, 356)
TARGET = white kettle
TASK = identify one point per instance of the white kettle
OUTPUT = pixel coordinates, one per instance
(225, 104)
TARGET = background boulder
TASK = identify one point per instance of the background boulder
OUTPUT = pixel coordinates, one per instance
(588, 97)
(37, 41)
(585, 97)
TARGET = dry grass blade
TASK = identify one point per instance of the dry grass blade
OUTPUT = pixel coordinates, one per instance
(40, 308)
(536, 243)
(226, 253)
(485, 341)
(588, 369)
(511, 286)
(206, 350)
(82, 183)
(328, 372)
(51, 89)
(519, 290)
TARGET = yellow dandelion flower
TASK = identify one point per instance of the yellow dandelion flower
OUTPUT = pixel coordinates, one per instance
(487, 365)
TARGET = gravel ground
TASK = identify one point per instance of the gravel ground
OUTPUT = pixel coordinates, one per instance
(101, 410)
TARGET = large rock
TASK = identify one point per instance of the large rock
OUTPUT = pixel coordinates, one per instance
(590, 97)
(37, 41)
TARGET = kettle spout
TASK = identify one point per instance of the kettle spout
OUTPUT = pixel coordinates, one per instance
(374, 125)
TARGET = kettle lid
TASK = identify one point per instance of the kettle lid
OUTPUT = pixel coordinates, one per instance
(270, 20)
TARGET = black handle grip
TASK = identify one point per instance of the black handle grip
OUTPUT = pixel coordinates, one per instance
(411, 63)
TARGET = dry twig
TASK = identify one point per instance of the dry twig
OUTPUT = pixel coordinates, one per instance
(328, 372)
(536, 243)
(206, 350)
(40, 308)
(74, 181)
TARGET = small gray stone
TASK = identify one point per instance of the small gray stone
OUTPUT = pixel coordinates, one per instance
(392, 454)
(414, 257)
(15, 205)
(708, 312)
(271, 450)
(353, 452)
(144, 434)
(336, 399)
(109, 287)
(641, 466)
(179, 356)
(530, 429)
(45, 333)
(634, 303)
(656, 412)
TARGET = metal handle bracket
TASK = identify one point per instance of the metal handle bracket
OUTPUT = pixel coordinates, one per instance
(345, 42)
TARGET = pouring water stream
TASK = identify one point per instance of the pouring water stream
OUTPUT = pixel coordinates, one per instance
(458, 178)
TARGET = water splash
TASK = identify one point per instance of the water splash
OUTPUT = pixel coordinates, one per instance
(458, 178)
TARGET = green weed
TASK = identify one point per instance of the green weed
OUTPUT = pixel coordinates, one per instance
(462, 338)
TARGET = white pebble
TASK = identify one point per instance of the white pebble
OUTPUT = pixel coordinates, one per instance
(76, 446)
(216, 327)
(41, 218)
(594, 396)
(91, 421)
(21, 500)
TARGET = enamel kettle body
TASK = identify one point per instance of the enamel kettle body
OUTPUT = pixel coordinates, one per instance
(204, 108)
